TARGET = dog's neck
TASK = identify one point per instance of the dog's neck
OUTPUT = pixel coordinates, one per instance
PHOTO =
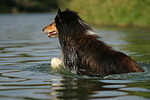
(90, 32)
(70, 45)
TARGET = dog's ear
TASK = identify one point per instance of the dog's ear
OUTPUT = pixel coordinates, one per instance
(67, 9)
(59, 12)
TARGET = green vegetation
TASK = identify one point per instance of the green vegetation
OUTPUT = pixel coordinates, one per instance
(19, 6)
(97, 12)
(111, 12)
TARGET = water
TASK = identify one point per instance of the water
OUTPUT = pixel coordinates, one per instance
(25, 72)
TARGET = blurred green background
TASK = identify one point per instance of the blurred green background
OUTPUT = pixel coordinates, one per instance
(97, 12)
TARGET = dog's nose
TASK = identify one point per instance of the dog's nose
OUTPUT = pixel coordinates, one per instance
(43, 29)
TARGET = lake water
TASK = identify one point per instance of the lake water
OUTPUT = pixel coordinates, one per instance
(25, 73)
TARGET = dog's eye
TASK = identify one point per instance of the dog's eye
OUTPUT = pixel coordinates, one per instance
(60, 20)
(57, 18)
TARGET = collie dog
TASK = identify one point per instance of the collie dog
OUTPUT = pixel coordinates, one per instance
(82, 52)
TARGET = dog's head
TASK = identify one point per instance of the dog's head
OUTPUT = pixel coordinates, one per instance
(66, 23)
(51, 30)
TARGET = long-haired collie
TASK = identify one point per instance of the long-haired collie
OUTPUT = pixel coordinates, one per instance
(82, 52)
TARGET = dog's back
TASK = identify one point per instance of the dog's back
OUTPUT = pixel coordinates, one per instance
(96, 58)
(93, 57)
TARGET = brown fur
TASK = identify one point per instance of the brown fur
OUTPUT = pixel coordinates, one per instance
(102, 60)
(50, 27)
(83, 53)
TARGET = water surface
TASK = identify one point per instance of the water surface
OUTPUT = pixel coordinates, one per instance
(25, 54)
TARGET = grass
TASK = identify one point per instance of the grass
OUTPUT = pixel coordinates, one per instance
(111, 12)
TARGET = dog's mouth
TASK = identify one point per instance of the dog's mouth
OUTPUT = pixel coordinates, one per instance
(52, 34)
(51, 30)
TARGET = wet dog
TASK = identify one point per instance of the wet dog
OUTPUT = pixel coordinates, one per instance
(82, 52)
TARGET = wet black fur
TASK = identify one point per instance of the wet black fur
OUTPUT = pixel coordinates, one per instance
(84, 54)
